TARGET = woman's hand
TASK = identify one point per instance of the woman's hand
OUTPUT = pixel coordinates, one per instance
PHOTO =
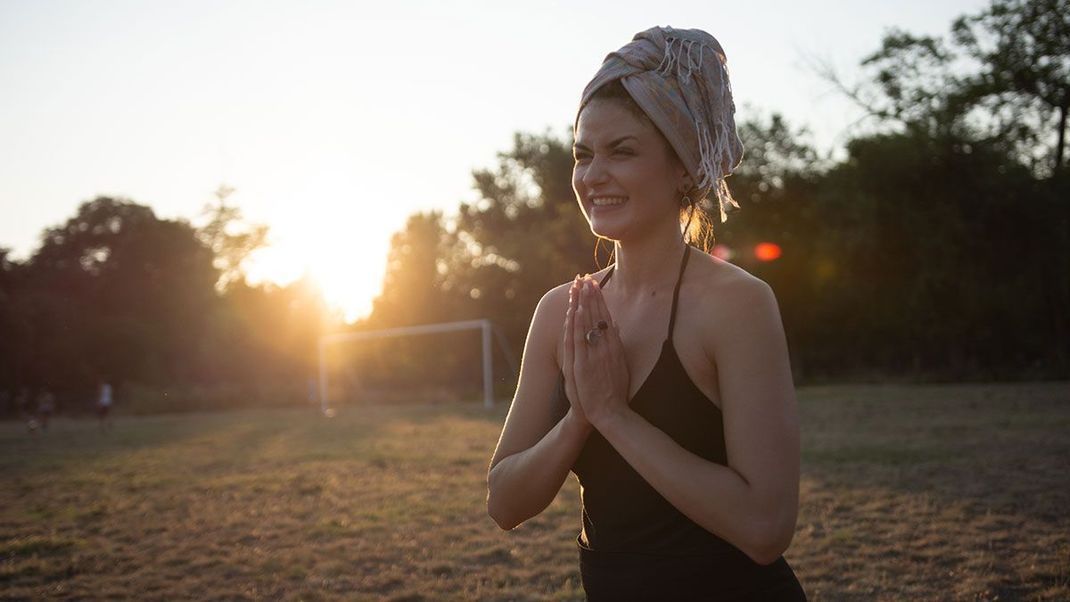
(597, 372)
(567, 359)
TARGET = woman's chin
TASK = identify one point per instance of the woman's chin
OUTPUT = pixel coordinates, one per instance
(607, 226)
(607, 231)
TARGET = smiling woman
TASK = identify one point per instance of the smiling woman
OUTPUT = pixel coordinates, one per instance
(674, 403)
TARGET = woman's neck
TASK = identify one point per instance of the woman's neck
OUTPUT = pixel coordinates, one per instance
(645, 267)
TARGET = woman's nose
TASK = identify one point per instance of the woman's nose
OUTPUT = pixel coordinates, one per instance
(595, 173)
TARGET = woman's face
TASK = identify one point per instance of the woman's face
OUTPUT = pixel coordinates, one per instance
(627, 180)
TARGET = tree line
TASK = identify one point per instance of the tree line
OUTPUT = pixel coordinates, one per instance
(937, 248)
(158, 309)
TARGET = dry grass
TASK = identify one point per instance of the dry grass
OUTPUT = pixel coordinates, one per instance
(936, 492)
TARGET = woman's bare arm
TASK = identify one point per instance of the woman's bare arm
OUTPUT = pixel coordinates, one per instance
(753, 502)
(536, 450)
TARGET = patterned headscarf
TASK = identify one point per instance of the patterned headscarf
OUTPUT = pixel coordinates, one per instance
(679, 78)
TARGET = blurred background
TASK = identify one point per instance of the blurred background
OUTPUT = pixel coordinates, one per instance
(192, 194)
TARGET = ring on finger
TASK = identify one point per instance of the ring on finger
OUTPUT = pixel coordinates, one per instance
(593, 335)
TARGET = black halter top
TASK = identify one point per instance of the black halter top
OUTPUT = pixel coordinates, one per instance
(621, 511)
(635, 545)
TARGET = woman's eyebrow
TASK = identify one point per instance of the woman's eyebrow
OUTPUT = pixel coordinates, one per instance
(581, 146)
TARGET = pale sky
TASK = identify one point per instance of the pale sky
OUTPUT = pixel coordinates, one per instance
(334, 121)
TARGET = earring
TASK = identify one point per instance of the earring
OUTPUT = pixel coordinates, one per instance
(686, 201)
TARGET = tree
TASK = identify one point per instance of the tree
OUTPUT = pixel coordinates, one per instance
(122, 293)
(994, 99)
(1004, 81)
(14, 324)
(230, 238)
(411, 292)
(1023, 47)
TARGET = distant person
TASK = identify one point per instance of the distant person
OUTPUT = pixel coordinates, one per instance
(46, 405)
(27, 411)
(663, 382)
(104, 402)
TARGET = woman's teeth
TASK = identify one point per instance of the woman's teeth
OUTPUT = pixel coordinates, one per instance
(608, 200)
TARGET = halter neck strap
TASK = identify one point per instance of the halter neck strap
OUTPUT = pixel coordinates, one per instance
(676, 291)
(605, 278)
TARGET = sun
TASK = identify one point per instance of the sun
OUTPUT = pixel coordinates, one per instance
(345, 284)
(347, 269)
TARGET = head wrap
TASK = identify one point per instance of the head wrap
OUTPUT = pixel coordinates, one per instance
(679, 78)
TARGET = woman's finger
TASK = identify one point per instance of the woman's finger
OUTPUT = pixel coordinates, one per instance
(580, 326)
(615, 353)
(600, 308)
(599, 312)
(567, 343)
(612, 332)
(567, 358)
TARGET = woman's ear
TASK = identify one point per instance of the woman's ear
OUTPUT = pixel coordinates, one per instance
(686, 184)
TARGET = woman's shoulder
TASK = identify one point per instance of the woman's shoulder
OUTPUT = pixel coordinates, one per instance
(717, 277)
(722, 297)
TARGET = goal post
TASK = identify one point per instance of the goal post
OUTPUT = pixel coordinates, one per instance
(490, 334)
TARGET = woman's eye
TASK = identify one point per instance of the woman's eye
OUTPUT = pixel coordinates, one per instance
(624, 151)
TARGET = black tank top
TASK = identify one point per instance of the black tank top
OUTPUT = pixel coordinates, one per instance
(633, 537)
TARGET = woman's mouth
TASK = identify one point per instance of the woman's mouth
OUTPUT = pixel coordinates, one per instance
(608, 202)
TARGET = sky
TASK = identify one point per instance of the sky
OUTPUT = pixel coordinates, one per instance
(335, 121)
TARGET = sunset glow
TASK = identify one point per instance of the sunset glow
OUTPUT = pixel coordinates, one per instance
(341, 252)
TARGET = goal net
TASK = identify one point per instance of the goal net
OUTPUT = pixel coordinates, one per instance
(449, 361)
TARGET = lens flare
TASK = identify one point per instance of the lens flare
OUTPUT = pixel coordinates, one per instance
(767, 251)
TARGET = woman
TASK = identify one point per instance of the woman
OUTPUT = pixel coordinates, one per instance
(674, 405)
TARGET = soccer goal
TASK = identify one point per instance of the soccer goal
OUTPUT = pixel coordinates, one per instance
(490, 335)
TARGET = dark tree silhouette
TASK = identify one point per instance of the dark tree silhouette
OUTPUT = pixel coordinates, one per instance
(1023, 47)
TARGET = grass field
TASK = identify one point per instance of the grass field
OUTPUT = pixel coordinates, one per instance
(933, 492)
